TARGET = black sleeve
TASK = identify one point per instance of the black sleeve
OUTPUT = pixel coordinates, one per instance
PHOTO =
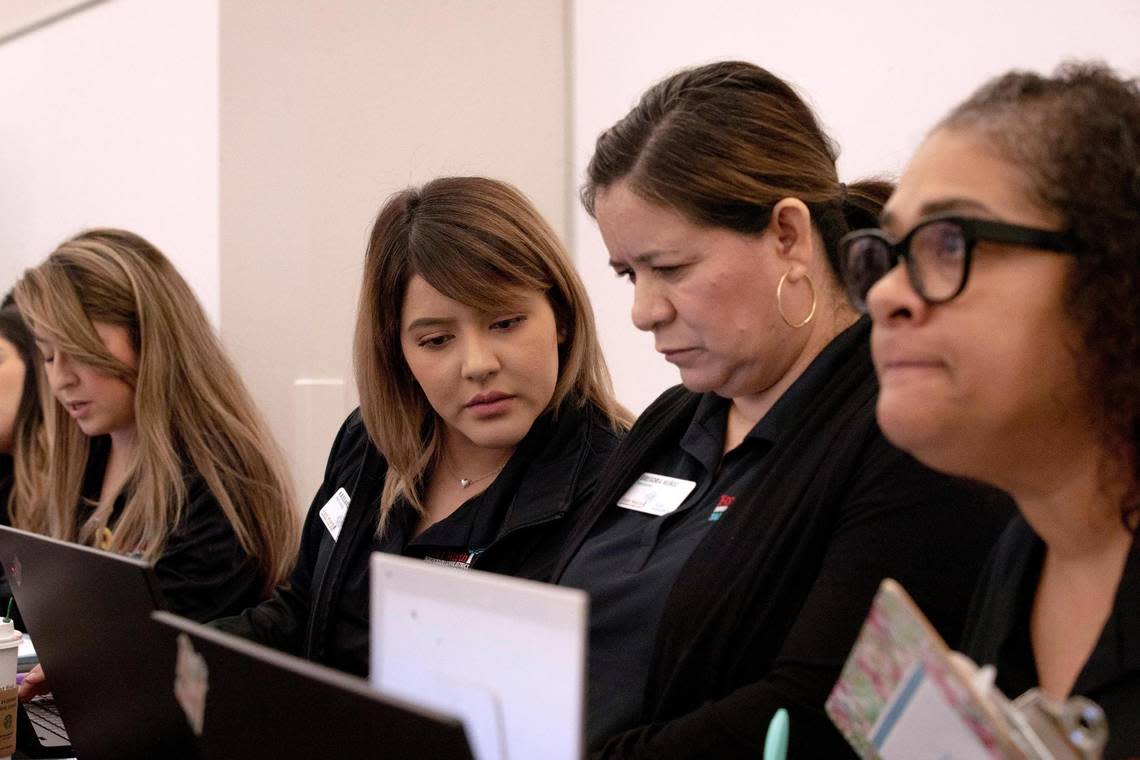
(281, 620)
(898, 520)
(203, 571)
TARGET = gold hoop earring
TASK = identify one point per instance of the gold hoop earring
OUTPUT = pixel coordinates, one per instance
(780, 302)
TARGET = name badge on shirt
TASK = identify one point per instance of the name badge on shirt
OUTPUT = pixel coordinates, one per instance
(333, 512)
(656, 494)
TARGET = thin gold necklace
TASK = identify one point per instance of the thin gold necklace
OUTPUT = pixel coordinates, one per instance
(466, 482)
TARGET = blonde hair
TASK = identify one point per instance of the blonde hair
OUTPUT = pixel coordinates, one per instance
(472, 239)
(191, 408)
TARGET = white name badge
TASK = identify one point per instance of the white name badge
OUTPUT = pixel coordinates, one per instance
(333, 512)
(656, 494)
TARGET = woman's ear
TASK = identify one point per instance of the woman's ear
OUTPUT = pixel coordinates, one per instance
(790, 226)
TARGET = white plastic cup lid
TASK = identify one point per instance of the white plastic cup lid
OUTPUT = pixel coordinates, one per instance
(9, 636)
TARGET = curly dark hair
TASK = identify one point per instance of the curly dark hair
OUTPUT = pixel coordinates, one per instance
(1076, 137)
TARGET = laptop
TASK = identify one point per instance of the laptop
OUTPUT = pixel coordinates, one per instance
(106, 661)
(251, 702)
(506, 655)
(39, 729)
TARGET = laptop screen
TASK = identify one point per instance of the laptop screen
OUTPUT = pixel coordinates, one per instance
(506, 655)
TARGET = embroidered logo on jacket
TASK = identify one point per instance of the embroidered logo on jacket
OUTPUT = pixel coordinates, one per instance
(722, 505)
(452, 558)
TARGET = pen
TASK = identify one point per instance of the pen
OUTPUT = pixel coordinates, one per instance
(776, 743)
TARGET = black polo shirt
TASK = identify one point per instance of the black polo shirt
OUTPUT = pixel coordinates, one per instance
(998, 634)
(630, 560)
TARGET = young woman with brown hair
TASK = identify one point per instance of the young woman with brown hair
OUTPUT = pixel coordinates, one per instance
(485, 413)
(777, 506)
(155, 447)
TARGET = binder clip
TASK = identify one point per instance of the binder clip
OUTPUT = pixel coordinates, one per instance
(1039, 727)
(1044, 729)
(901, 680)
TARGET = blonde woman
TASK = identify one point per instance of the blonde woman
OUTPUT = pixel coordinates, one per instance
(486, 412)
(156, 449)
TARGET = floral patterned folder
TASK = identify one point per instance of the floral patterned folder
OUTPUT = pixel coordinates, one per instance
(899, 694)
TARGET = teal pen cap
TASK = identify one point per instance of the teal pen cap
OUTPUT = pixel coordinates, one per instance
(776, 743)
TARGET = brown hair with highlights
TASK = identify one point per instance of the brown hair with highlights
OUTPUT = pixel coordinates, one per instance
(722, 144)
(474, 240)
(192, 411)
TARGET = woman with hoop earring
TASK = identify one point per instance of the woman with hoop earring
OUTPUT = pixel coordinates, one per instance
(742, 527)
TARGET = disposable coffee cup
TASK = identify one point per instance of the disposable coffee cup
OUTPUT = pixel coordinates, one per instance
(9, 649)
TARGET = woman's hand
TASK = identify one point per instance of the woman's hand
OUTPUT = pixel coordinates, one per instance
(35, 683)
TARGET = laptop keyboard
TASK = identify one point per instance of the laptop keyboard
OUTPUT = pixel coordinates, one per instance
(44, 716)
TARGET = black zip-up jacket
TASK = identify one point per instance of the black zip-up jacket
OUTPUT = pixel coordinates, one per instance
(321, 613)
(766, 609)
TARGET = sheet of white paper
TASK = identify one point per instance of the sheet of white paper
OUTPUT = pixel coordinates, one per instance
(919, 724)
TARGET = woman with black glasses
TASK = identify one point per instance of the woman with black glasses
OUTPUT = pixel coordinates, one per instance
(1008, 351)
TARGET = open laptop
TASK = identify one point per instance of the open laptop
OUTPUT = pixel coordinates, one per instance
(107, 662)
(255, 703)
(505, 654)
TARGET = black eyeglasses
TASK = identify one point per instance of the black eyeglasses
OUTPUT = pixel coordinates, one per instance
(938, 253)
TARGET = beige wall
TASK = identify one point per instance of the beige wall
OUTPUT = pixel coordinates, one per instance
(326, 109)
(109, 117)
(879, 73)
(26, 16)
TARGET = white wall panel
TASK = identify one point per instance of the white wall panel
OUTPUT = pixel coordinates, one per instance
(109, 117)
(879, 73)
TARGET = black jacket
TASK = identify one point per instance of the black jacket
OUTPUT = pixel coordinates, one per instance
(534, 500)
(998, 634)
(6, 485)
(203, 571)
(767, 607)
